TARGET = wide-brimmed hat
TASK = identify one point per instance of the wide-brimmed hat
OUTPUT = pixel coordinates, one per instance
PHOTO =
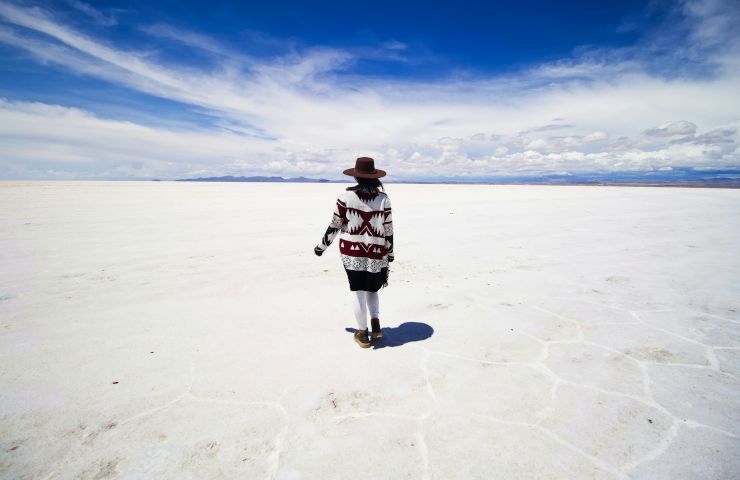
(365, 168)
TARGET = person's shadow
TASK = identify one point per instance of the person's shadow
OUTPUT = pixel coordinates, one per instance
(400, 335)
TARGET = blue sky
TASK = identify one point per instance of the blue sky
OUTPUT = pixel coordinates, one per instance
(139, 90)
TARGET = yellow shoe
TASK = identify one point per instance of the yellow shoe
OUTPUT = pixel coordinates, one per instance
(377, 332)
(361, 338)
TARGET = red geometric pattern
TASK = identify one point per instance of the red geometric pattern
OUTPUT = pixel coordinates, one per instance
(360, 222)
(366, 226)
(360, 249)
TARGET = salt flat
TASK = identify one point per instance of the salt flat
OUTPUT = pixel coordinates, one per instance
(187, 331)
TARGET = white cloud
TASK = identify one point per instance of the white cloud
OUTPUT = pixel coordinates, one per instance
(304, 112)
(671, 129)
(191, 39)
(713, 20)
(98, 16)
(394, 45)
(71, 137)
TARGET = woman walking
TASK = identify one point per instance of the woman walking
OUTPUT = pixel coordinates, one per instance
(363, 214)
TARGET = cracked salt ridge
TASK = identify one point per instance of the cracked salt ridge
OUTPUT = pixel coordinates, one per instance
(718, 454)
(537, 364)
(273, 458)
(422, 418)
(646, 399)
(670, 444)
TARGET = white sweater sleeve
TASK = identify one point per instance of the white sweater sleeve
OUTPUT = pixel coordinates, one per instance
(337, 219)
(388, 226)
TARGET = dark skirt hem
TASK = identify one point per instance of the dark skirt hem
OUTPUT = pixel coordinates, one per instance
(368, 281)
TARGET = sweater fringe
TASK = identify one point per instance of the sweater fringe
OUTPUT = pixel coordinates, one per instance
(385, 277)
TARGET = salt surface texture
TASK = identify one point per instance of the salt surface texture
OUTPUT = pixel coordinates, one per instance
(186, 330)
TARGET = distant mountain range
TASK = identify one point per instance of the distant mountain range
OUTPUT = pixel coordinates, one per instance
(676, 177)
(229, 178)
(680, 177)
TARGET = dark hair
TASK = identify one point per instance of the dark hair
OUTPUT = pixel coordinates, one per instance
(369, 184)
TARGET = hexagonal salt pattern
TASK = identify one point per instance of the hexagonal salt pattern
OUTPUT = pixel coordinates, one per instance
(575, 345)
(615, 429)
(596, 366)
(643, 342)
(474, 447)
(189, 438)
(706, 329)
(355, 447)
(512, 392)
(698, 395)
(729, 360)
(693, 453)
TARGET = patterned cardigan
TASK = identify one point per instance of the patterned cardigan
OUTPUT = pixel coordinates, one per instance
(366, 225)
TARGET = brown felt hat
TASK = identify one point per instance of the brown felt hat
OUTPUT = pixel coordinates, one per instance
(365, 168)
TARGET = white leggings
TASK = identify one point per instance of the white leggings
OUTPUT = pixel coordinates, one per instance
(362, 301)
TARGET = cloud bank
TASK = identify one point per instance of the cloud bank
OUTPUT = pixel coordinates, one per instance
(670, 101)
